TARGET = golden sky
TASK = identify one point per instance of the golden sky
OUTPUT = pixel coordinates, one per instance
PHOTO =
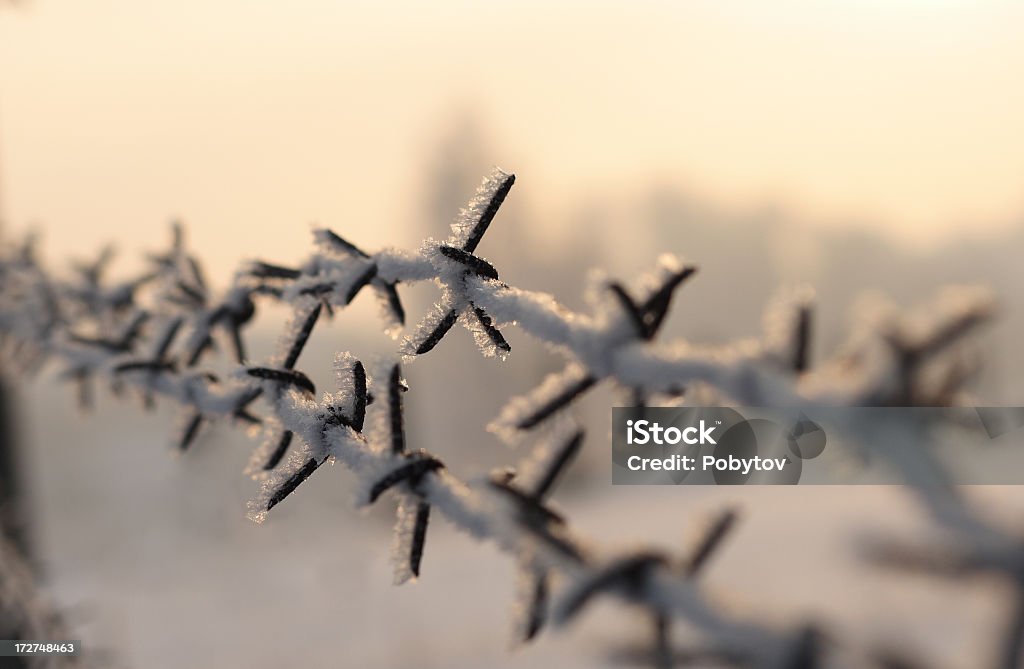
(252, 119)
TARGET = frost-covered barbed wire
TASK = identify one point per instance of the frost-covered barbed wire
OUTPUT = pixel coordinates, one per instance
(151, 334)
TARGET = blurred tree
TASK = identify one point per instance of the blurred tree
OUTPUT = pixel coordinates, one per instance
(12, 499)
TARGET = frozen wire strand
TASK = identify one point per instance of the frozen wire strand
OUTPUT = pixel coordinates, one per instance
(412, 473)
(361, 282)
(638, 365)
(530, 510)
(387, 289)
(236, 310)
(450, 321)
(628, 576)
(231, 402)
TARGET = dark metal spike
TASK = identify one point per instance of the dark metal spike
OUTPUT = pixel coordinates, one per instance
(191, 431)
(334, 416)
(538, 606)
(802, 340)
(473, 240)
(197, 272)
(85, 395)
(109, 345)
(710, 541)
(287, 376)
(394, 302)
(144, 365)
(264, 270)
(359, 399)
(318, 289)
(364, 279)
(134, 329)
(543, 523)
(655, 308)
(177, 236)
(530, 510)
(168, 336)
(342, 244)
(440, 330)
(413, 472)
(472, 263)
(239, 345)
(193, 293)
(419, 537)
(946, 336)
(636, 316)
(558, 464)
(282, 447)
(493, 333)
(302, 337)
(628, 573)
(197, 352)
(293, 482)
(396, 417)
(562, 399)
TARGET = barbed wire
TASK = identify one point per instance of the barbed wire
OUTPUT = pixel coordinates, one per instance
(150, 336)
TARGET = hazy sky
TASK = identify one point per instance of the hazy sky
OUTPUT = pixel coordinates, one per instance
(252, 119)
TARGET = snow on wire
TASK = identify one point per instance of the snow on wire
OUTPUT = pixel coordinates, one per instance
(151, 334)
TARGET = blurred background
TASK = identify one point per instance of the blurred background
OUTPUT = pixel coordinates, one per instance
(855, 146)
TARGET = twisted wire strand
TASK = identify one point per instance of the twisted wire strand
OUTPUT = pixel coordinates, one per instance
(151, 334)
